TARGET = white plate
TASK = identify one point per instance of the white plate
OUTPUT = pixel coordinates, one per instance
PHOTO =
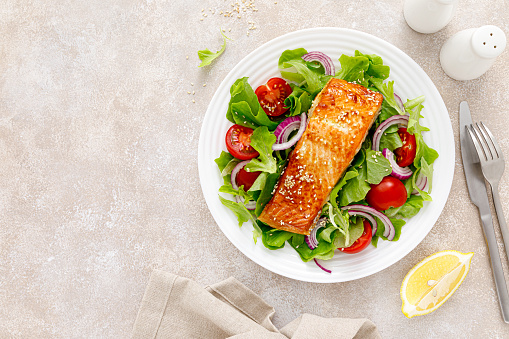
(410, 81)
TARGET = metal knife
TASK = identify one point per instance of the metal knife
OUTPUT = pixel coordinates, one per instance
(478, 195)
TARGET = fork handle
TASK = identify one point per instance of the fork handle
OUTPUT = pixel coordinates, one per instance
(500, 216)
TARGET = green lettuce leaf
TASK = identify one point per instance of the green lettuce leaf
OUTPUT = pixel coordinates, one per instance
(223, 160)
(355, 189)
(298, 101)
(266, 192)
(239, 209)
(313, 74)
(378, 166)
(262, 141)
(244, 108)
(355, 232)
(408, 210)
(206, 56)
(387, 90)
(273, 238)
(353, 68)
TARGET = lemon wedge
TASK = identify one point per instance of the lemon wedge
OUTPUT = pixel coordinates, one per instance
(432, 281)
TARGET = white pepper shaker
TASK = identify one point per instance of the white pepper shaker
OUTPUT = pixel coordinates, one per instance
(428, 16)
(470, 53)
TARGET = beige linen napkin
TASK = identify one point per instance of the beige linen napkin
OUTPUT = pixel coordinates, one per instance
(176, 307)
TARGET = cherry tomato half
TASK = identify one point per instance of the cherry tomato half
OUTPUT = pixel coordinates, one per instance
(272, 96)
(246, 179)
(360, 243)
(238, 142)
(405, 154)
(390, 192)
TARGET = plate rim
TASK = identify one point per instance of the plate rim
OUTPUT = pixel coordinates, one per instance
(448, 168)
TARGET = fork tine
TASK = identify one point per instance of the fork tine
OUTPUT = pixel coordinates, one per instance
(477, 145)
(493, 140)
(486, 142)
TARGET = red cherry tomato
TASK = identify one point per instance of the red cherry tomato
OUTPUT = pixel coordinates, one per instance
(360, 243)
(238, 142)
(405, 154)
(390, 192)
(272, 96)
(246, 179)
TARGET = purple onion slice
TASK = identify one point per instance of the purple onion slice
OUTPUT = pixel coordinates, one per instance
(323, 59)
(401, 173)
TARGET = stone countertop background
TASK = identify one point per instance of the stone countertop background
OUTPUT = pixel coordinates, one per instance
(98, 163)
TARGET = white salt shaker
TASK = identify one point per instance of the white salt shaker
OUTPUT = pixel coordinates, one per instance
(470, 53)
(428, 16)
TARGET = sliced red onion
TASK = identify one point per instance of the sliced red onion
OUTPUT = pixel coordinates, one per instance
(285, 144)
(322, 58)
(323, 268)
(397, 171)
(389, 231)
(395, 119)
(286, 127)
(236, 171)
(311, 239)
(421, 182)
(250, 205)
(368, 216)
(399, 102)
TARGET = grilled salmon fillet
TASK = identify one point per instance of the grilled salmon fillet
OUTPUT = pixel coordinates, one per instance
(340, 118)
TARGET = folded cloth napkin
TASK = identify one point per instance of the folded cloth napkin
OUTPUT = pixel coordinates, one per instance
(177, 307)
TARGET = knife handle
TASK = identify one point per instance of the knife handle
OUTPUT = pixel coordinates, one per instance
(496, 264)
(500, 216)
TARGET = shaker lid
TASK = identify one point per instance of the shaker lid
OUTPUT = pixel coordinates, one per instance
(488, 41)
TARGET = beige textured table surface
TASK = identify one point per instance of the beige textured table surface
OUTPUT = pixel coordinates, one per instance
(98, 163)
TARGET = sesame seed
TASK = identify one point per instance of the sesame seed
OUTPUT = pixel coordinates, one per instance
(194, 101)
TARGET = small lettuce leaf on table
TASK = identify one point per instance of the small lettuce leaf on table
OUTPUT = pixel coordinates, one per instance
(244, 108)
(206, 56)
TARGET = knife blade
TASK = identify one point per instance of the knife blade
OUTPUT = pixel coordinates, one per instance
(477, 191)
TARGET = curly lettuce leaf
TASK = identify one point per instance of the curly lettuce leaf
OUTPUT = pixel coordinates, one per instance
(223, 160)
(313, 75)
(262, 141)
(298, 101)
(206, 56)
(387, 90)
(244, 108)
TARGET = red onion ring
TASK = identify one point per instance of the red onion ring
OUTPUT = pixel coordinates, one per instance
(421, 182)
(287, 144)
(250, 205)
(323, 268)
(311, 239)
(368, 216)
(395, 119)
(397, 171)
(389, 231)
(236, 171)
(323, 59)
(286, 127)
(399, 102)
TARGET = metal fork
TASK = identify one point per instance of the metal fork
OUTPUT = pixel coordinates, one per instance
(492, 165)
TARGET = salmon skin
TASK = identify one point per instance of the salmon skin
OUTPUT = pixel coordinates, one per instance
(340, 118)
